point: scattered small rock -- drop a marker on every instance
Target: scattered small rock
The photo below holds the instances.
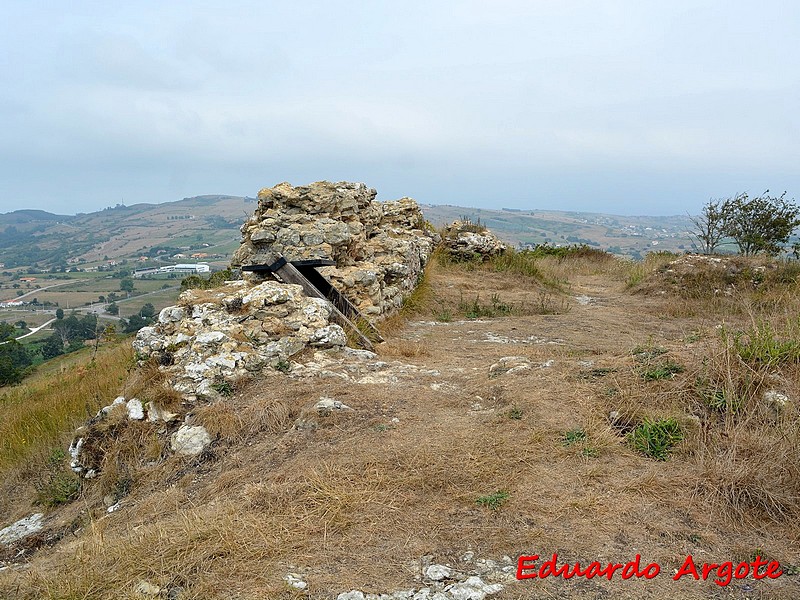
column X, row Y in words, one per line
column 472, row 588
column 508, row 365
column 135, row 409
column 295, row 581
column 190, row 440
column 438, row 572
column 147, row 589
column 776, row 399
column 107, row 409
column 325, row 406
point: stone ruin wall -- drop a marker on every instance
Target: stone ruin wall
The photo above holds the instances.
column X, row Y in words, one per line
column 380, row 251
column 380, row 248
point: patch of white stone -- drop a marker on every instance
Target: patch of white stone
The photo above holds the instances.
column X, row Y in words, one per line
column 21, row 529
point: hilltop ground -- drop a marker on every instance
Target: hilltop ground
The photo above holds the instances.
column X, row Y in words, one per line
column 357, row 499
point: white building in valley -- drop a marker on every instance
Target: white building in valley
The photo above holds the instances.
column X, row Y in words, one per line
column 181, row 269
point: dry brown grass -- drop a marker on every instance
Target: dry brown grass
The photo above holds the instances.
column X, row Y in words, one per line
column 30, row 418
column 354, row 500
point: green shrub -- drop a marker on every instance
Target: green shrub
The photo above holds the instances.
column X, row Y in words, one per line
column 476, row 310
column 215, row 280
column 655, row 438
column 57, row 485
column 222, row 386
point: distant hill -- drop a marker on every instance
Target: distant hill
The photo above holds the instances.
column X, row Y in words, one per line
column 33, row 236
column 30, row 216
column 630, row 236
column 211, row 223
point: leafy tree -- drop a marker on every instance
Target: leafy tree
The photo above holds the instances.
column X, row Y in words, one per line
column 112, row 309
column 135, row 323
column 59, row 313
column 87, row 327
column 6, row 331
column 761, row 224
column 126, row 285
column 53, row 346
column 148, row 311
column 66, row 329
column 710, row 225
column 21, row 324
column 14, row 362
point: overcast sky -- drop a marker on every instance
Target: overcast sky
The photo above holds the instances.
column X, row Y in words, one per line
column 625, row 107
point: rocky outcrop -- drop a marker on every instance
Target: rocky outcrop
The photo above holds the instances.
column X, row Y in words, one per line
column 21, row 529
column 464, row 240
column 380, row 248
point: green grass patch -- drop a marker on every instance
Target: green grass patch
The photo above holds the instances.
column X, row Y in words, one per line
column 764, row 345
column 573, row 436
column 664, row 370
column 494, row 501
column 655, row 438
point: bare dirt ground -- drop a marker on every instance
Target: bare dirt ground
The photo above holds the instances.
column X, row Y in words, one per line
column 356, row 500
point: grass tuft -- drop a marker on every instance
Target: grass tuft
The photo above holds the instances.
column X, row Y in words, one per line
column 656, row 438
column 494, row 501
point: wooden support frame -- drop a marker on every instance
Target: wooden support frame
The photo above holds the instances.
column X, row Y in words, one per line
column 304, row 273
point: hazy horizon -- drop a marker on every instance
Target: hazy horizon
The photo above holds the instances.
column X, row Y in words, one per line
column 622, row 107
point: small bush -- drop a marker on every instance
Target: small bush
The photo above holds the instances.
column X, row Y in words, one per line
column 58, row 485
column 517, row 263
column 571, row 251
column 656, row 438
column 214, row 280
column 223, row 387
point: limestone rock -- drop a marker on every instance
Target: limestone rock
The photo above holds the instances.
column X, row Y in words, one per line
column 146, row 589
column 107, row 409
column 472, row 588
column 233, row 330
column 438, row 572
column 21, row 529
column 776, row 399
column 464, row 240
column 295, row 581
column 190, row 440
column 135, row 409
column 155, row 413
column 325, row 406
column 329, row 336
column 509, row 364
